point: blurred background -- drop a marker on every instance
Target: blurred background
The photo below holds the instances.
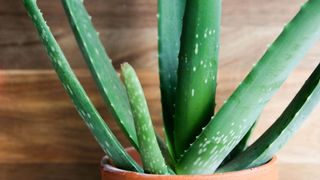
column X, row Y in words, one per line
column 42, row 136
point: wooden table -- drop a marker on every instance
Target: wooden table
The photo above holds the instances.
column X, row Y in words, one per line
column 43, row 137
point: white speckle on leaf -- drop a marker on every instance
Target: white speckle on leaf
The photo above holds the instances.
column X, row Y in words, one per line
column 97, row 51
column 98, row 75
column 194, row 68
column 89, row 35
column 196, row 48
column 59, row 63
column 107, row 144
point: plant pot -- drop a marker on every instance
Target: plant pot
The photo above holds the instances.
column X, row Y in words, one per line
column 268, row 171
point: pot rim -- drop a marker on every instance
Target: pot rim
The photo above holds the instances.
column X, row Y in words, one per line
column 107, row 167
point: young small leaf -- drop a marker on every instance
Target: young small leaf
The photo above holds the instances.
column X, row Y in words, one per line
column 153, row 161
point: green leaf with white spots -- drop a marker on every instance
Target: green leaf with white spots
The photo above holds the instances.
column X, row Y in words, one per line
column 237, row 115
column 105, row 76
column 241, row 146
column 152, row 159
column 170, row 161
column 89, row 114
column 284, row 127
column 198, row 62
column 170, row 16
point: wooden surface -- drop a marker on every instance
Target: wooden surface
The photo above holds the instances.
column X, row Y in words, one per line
column 128, row 30
column 42, row 136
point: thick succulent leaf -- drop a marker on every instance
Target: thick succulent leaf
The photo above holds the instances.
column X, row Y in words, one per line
column 170, row 15
column 237, row 115
column 89, row 114
column 166, row 154
column 285, row 126
column 152, row 159
column 241, row 146
column 105, row 76
column 198, row 62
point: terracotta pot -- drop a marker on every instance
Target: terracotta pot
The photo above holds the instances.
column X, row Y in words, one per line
column 268, row 171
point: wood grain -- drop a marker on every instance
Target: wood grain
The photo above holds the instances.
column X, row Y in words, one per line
column 39, row 126
column 52, row 171
column 128, row 31
column 43, row 120
column 89, row 171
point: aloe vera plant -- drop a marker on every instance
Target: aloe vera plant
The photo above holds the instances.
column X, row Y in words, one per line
column 199, row 139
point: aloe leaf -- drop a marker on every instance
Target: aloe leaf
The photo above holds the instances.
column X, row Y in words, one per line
column 284, row 127
column 105, row 76
column 89, row 114
column 238, row 114
column 170, row 15
column 198, row 62
column 242, row 146
column 152, row 159
column 165, row 152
